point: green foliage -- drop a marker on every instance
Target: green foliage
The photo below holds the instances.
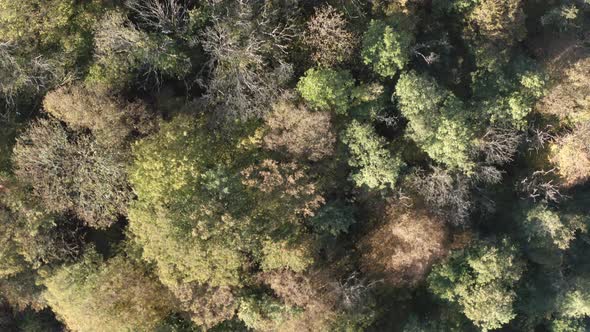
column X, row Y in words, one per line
column 376, row 167
column 199, row 217
column 575, row 301
column 277, row 255
column 263, row 313
column 183, row 231
column 327, row 89
column 116, row 295
column 547, row 228
column 493, row 27
column 481, row 282
column 507, row 95
column 386, row 47
column 49, row 25
column 568, row 325
column 437, row 120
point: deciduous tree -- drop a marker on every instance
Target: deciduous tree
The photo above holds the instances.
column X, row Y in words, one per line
column 70, row 172
column 481, row 281
column 386, row 46
column 328, row 38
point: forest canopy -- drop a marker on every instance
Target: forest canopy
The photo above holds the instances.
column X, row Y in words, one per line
column 294, row 165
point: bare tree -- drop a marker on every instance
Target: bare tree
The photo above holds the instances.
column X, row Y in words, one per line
column 499, row 145
column 354, row 291
column 540, row 186
column 447, row 194
column 538, row 138
column 18, row 77
column 165, row 16
column 431, row 57
column 246, row 67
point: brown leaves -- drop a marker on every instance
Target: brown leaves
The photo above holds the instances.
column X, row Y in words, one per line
column 327, row 37
column 405, row 247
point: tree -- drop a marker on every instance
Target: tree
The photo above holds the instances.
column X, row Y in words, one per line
column 376, row 167
column 567, row 97
column 321, row 302
column 507, row 94
column 299, row 132
column 481, row 281
column 72, row 173
column 205, row 211
column 247, row 47
column 207, row 306
column 110, row 120
column 437, row 120
column 327, row 37
column 327, row 89
column 263, row 313
column 123, row 53
column 571, row 154
column 493, row 27
column 386, row 46
column 568, row 325
column 117, row 295
column 575, row 300
column 547, row 228
column 21, row 79
column 403, row 248
column 47, row 26
column 334, row 218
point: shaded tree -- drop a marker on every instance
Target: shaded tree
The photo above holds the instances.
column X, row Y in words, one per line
column 493, row 27
column 247, row 66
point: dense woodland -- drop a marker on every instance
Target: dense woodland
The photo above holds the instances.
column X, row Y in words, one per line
column 295, row 165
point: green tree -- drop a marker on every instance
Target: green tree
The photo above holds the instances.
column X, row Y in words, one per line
column 386, row 46
column 568, row 325
column 437, row 120
column 548, row 228
column 481, row 281
column 507, row 94
column 376, row 167
column 263, row 313
column 327, row 89
column 202, row 209
column 575, row 300
column 45, row 26
column 116, row 295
